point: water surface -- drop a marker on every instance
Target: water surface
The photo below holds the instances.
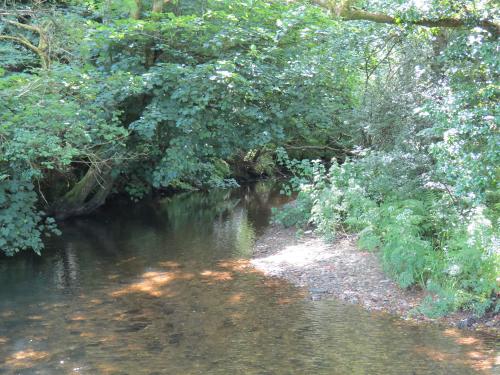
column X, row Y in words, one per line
column 163, row 287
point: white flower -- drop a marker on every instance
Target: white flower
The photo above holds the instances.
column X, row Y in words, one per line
column 224, row 73
column 449, row 134
column 454, row 270
column 478, row 221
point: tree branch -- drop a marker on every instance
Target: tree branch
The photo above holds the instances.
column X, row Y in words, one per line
column 349, row 13
column 25, row 42
column 313, row 147
column 24, row 26
column 158, row 6
column 40, row 50
column 353, row 14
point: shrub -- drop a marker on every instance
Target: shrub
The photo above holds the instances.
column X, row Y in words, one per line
column 423, row 241
column 21, row 224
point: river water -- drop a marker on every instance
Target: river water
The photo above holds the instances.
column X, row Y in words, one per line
column 162, row 287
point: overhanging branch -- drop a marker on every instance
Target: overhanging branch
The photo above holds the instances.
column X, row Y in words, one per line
column 24, row 26
column 346, row 11
column 353, row 14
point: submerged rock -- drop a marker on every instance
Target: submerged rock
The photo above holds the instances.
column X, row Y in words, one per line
column 175, row 338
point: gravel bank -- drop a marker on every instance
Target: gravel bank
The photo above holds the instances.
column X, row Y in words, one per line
column 340, row 270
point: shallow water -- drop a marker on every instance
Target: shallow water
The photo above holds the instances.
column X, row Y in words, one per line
column 163, row 287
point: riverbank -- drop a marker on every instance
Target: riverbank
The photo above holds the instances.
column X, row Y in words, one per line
column 340, row 270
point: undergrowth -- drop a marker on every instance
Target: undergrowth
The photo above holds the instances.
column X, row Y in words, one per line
column 422, row 236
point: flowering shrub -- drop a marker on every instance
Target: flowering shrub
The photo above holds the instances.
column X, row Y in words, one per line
column 422, row 241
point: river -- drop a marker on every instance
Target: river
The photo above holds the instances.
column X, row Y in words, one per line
column 163, row 287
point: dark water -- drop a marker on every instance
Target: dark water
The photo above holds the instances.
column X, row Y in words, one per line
column 163, row 288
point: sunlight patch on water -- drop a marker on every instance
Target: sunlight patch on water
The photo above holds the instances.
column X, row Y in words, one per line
column 7, row 314
column 235, row 298
column 26, row 358
column 169, row 264
column 211, row 276
column 467, row 341
column 237, row 265
column 152, row 283
column 479, row 361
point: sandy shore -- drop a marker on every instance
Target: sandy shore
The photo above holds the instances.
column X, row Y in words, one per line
column 340, row 270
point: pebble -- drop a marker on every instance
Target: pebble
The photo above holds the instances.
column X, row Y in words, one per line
column 318, row 290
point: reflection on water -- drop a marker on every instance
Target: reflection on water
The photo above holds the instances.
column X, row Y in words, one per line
column 164, row 287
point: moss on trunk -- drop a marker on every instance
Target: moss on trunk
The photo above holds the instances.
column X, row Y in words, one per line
column 86, row 195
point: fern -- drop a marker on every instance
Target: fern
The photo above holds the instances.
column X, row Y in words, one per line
column 423, row 237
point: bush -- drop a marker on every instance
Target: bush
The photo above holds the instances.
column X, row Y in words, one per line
column 21, row 225
column 422, row 241
column 295, row 214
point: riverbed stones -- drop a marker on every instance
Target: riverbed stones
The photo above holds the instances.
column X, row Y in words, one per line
column 343, row 271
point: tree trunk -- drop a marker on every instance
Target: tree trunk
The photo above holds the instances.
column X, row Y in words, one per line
column 43, row 41
column 136, row 13
column 439, row 44
column 88, row 194
column 158, row 6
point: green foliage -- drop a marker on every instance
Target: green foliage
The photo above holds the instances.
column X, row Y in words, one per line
column 406, row 255
column 302, row 171
column 295, row 214
column 421, row 240
column 13, row 56
column 467, row 118
column 166, row 101
column 21, row 225
column 265, row 165
column 422, row 188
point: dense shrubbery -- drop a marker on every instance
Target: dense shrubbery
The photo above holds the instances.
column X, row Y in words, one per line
column 422, row 239
column 422, row 184
column 22, row 225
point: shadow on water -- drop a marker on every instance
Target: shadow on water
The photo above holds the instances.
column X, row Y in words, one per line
column 164, row 287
